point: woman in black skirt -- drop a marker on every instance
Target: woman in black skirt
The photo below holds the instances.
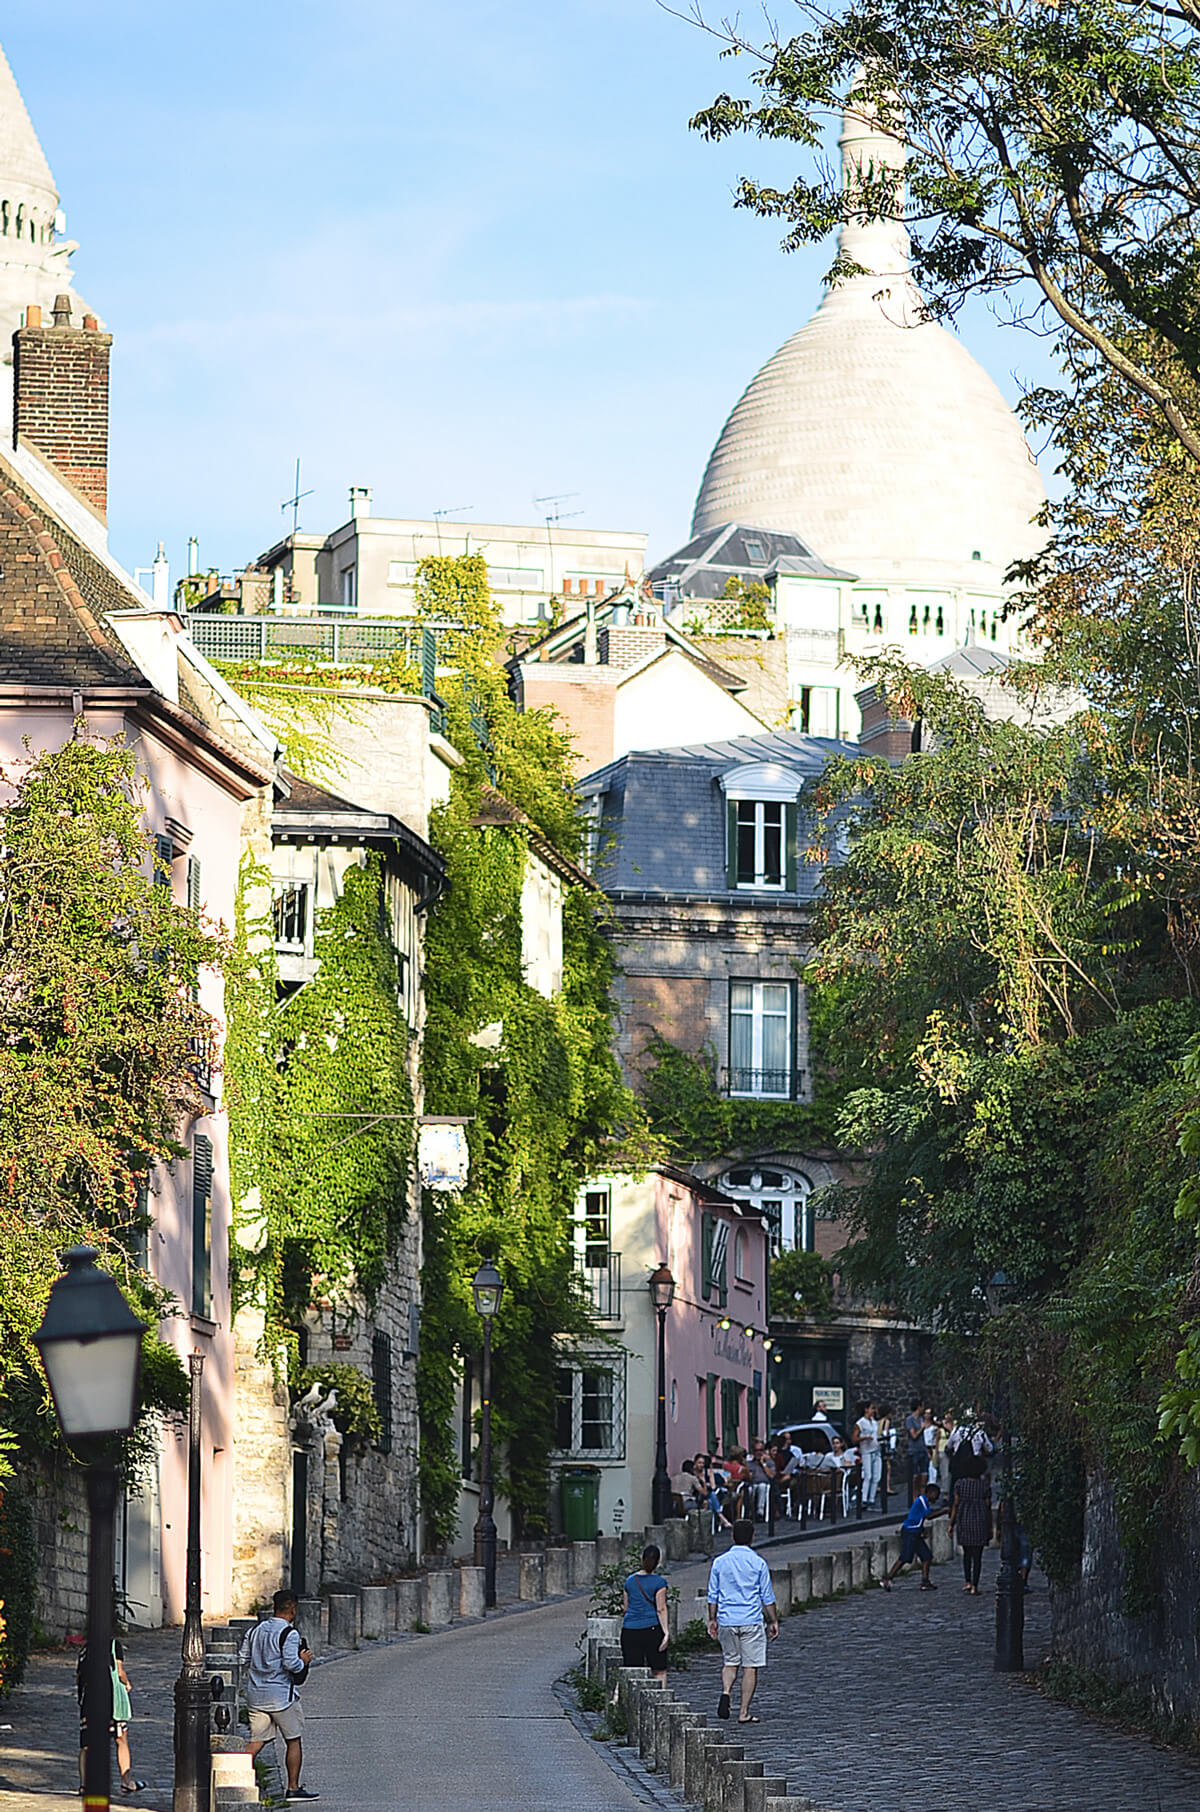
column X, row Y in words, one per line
column 645, row 1630
column 971, row 1515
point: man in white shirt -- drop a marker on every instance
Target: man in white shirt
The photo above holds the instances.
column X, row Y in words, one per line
column 866, row 1433
column 276, row 1660
column 740, row 1595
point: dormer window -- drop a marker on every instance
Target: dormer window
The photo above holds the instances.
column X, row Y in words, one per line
column 756, row 553
column 761, row 827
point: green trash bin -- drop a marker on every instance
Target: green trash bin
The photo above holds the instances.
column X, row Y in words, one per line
column 580, row 1502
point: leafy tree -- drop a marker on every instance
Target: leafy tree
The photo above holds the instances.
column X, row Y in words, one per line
column 801, row 1285
column 1052, row 149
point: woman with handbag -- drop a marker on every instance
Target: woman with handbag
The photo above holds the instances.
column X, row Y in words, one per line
column 645, row 1627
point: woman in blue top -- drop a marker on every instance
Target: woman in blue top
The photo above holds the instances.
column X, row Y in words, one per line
column 645, row 1630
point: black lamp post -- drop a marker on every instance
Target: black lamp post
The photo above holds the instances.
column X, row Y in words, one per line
column 662, row 1295
column 1010, row 1587
column 193, row 1694
column 90, row 1343
column 487, row 1286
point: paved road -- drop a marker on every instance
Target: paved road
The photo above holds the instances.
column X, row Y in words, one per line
column 882, row 1702
column 458, row 1719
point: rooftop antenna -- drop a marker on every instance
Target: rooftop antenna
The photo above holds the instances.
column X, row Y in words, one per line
column 458, row 509
column 295, row 500
column 556, row 513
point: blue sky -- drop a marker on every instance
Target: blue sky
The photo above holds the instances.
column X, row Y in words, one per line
column 466, row 255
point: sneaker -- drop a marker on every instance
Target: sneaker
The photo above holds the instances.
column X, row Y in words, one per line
column 927, row 1585
column 294, row 1793
column 723, row 1705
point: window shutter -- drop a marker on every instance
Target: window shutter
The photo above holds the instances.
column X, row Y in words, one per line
column 719, row 1260
column 381, row 1384
column 164, row 850
column 193, row 884
column 790, row 850
column 202, row 1179
column 710, row 1413
column 731, row 879
column 706, row 1251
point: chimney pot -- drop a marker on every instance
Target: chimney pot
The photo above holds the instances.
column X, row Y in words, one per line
column 90, row 324
column 33, row 315
column 62, row 310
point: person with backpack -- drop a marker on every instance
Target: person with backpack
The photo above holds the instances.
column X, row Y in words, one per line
column 277, row 1661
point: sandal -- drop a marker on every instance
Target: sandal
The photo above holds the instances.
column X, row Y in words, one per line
column 750, row 1720
column 134, row 1786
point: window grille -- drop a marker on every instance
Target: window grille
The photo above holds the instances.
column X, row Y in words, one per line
column 589, row 1416
column 290, row 912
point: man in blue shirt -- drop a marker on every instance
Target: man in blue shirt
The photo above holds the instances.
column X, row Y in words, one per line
column 739, row 1597
column 912, row 1542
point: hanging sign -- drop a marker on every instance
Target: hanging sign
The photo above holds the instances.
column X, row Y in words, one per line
column 442, row 1154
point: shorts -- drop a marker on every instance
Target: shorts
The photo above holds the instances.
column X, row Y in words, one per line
column 640, row 1648
column 913, row 1546
column 288, row 1721
column 743, row 1644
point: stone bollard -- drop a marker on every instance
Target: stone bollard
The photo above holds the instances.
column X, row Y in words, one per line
column 698, row 1739
column 583, row 1564
column 343, row 1619
column 656, row 1533
column 654, row 1708
column 687, row 1720
column 558, row 1572
column 664, row 1726
column 781, row 1585
column 374, row 1611
column 714, row 1774
column 877, row 1550
column 608, row 1550
column 757, row 1792
column 802, row 1588
column 627, row 1679
column 470, row 1591
column 532, row 1586
column 695, row 1534
column 311, row 1621
column 677, row 1538
column 891, row 1550
column 733, row 1785
column 822, row 1575
column 408, row 1602
column 645, row 1698
column 860, row 1565
column 841, row 1569
column 437, row 1604
column 942, row 1541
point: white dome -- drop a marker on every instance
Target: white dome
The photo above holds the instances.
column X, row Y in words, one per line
column 873, row 435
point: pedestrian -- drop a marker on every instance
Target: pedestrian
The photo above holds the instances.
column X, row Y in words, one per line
column 277, row 1661
column 645, row 1628
column 915, row 1451
column 818, row 1414
column 761, row 1469
column 122, row 1712
column 971, row 1515
column 866, row 1435
column 704, row 1471
column 739, row 1597
column 912, row 1541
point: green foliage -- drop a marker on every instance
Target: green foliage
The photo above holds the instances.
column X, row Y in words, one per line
column 693, row 1120
column 18, row 1584
column 609, row 1584
column 96, row 1032
column 321, row 1108
column 356, row 1411
column 801, row 1286
column 753, row 600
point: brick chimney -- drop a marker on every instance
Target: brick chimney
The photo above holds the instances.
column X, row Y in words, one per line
column 883, row 734
column 60, row 398
column 630, row 637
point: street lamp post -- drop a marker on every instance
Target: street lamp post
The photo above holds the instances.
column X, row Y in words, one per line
column 193, row 1695
column 1010, row 1587
column 487, row 1286
column 90, row 1343
column 662, row 1294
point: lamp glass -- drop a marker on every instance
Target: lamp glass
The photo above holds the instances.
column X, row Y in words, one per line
column 487, row 1287
column 662, row 1288
column 94, row 1382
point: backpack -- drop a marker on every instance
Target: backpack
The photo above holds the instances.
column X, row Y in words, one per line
column 963, row 1454
column 302, row 1676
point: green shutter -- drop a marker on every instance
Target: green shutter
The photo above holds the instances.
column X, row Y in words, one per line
column 164, row 850
column 731, row 845
column 752, row 1415
column 193, row 884
column 202, row 1178
column 710, row 1413
column 706, row 1246
column 789, row 833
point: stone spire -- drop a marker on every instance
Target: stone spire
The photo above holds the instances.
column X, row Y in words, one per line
column 35, row 262
column 869, row 153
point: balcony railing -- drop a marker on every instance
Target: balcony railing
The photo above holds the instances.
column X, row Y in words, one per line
column 202, row 1049
column 603, row 1285
column 763, row 1085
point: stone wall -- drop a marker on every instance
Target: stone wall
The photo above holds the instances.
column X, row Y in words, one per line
column 262, row 1469
column 1155, row 1654
column 61, row 1522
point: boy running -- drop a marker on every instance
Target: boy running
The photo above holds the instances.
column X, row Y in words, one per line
column 912, row 1541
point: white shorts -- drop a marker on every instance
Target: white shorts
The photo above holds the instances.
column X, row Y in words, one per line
column 743, row 1644
column 288, row 1721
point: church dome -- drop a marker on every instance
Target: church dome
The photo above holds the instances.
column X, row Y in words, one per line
column 874, row 434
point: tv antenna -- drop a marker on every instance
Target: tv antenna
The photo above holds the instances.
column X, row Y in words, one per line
column 295, row 500
column 458, row 509
column 556, row 513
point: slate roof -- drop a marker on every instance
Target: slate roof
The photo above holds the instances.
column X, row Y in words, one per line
column 663, row 821
column 701, row 568
column 306, row 811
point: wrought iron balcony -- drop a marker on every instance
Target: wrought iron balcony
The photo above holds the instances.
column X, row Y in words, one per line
column 762, row 1085
column 603, row 1285
column 202, row 1049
